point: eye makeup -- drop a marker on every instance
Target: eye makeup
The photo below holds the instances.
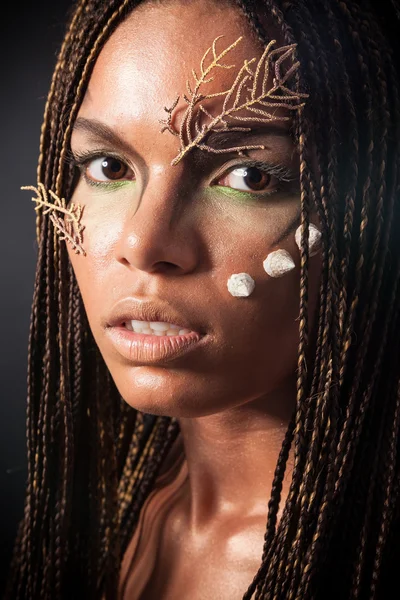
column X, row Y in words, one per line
column 280, row 171
column 107, row 186
column 286, row 181
column 82, row 160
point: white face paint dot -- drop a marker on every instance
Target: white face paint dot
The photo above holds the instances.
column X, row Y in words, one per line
column 278, row 263
column 241, row 285
column 314, row 239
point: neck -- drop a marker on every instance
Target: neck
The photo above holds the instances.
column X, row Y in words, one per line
column 231, row 458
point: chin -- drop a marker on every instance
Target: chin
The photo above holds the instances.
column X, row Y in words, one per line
column 175, row 393
column 161, row 392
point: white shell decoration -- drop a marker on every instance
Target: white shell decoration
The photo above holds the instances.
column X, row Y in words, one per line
column 278, row 263
column 314, row 239
column 241, row 285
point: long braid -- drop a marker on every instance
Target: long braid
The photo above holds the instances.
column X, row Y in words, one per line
column 389, row 219
column 23, row 538
column 378, row 462
column 387, row 512
column 269, row 543
column 375, row 286
column 301, row 406
column 349, row 201
column 47, row 129
column 293, row 559
column 348, row 425
column 163, row 439
column 301, row 382
column 328, row 210
column 279, row 556
column 322, row 454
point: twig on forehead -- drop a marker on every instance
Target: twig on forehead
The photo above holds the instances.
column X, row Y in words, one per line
column 244, row 94
column 68, row 226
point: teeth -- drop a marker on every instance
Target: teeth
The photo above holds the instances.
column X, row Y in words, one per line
column 155, row 328
column 160, row 326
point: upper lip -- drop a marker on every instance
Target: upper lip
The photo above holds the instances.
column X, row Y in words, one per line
column 130, row 309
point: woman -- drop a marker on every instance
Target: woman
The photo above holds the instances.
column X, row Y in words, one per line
column 230, row 173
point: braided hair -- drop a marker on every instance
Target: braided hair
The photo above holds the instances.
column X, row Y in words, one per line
column 92, row 459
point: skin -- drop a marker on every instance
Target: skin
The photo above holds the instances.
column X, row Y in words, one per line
column 177, row 233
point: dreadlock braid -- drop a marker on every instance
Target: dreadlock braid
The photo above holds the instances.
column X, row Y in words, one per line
column 356, row 380
column 93, row 460
column 310, row 497
column 348, row 220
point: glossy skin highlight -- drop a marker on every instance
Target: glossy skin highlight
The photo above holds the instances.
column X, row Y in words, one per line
column 176, row 234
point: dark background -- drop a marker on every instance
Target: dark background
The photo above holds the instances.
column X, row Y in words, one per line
column 30, row 37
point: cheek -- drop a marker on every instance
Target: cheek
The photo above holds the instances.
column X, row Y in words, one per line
column 239, row 239
column 263, row 329
column 103, row 229
column 104, row 215
column 103, row 220
column 93, row 270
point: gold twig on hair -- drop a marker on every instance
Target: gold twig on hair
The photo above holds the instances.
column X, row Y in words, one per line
column 244, row 94
column 68, row 226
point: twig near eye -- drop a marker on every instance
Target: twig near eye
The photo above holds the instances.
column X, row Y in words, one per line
column 244, row 94
column 69, row 226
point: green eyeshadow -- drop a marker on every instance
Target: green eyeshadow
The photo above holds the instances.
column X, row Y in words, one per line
column 109, row 186
column 237, row 195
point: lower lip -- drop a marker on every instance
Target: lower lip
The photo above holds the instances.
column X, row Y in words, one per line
column 151, row 349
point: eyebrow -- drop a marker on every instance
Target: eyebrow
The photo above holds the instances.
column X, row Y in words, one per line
column 99, row 131
column 218, row 140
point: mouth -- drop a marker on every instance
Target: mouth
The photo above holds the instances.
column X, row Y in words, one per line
column 142, row 339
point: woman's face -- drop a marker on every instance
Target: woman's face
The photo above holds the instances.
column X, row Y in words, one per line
column 165, row 239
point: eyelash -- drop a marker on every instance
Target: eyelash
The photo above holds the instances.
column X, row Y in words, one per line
column 282, row 173
column 82, row 159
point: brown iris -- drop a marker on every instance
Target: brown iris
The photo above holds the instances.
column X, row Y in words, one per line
column 113, row 168
column 256, row 179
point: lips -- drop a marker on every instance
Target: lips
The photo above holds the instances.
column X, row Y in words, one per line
column 144, row 349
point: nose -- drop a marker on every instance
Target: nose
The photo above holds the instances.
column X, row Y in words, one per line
column 161, row 235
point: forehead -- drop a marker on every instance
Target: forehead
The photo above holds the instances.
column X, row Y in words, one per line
column 149, row 58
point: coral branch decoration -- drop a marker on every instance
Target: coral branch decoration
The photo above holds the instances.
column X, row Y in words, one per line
column 249, row 91
column 66, row 219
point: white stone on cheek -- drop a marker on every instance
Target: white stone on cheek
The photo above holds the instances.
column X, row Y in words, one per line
column 314, row 239
column 278, row 263
column 241, row 285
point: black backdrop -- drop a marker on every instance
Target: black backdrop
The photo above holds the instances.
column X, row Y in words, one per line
column 30, row 36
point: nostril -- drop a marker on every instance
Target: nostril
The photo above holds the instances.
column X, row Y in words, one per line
column 166, row 267
column 157, row 267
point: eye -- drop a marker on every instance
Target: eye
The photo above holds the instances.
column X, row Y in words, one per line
column 249, row 179
column 107, row 168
